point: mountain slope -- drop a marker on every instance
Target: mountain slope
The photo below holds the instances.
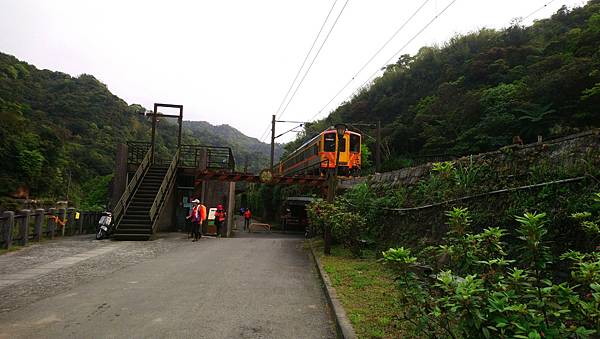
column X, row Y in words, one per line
column 479, row 91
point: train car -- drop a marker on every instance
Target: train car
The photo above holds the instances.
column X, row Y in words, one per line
column 318, row 154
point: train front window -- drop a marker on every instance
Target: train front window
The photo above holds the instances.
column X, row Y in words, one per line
column 354, row 143
column 343, row 144
column 329, row 142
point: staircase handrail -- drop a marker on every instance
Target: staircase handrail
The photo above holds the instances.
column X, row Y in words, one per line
column 164, row 190
column 121, row 205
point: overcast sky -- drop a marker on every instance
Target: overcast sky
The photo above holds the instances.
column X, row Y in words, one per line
column 231, row 62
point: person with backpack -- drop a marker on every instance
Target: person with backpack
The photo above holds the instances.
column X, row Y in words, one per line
column 220, row 215
column 197, row 216
column 247, row 216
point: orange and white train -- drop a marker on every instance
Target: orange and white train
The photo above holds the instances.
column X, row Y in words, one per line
column 318, row 154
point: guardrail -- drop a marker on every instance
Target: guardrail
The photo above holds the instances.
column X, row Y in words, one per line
column 191, row 156
column 164, row 191
column 136, row 151
column 220, row 158
column 123, row 202
column 33, row 225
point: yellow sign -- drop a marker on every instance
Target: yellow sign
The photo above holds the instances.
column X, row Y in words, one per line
column 265, row 176
column 76, row 215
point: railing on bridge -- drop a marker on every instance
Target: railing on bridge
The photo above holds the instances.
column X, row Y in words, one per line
column 190, row 156
column 136, row 151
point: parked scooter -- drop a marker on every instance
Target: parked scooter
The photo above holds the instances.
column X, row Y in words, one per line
column 104, row 226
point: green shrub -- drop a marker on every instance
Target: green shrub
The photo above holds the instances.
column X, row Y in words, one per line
column 479, row 292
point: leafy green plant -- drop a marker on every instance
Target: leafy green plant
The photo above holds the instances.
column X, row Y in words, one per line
column 466, row 175
column 443, row 168
column 459, row 220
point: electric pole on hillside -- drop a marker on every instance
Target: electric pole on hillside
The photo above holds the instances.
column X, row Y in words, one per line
column 272, row 141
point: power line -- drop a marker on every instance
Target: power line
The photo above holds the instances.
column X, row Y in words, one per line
column 262, row 136
column 393, row 56
column 425, row 27
column 314, row 59
column 409, row 41
column 537, row 10
column 306, row 57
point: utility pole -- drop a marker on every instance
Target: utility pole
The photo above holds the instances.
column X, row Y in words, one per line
column 272, row 141
column 378, row 147
column 331, row 187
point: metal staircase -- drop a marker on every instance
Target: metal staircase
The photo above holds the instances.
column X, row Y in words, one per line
column 136, row 223
column 138, row 211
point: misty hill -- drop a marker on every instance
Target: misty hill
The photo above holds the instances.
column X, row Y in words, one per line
column 58, row 134
column 479, row 91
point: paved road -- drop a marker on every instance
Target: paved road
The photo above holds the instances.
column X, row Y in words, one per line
column 262, row 286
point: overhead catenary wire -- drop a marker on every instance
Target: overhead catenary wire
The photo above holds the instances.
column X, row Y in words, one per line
column 306, row 57
column 534, row 12
column 263, row 135
column 408, row 43
column 390, row 59
column 314, row 59
column 394, row 56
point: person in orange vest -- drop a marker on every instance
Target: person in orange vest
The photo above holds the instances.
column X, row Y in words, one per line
column 197, row 216
column 219, row 218
column 247, row 216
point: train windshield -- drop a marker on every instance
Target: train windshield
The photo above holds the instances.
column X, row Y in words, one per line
column 354, row 143
column 329, row 144
column 343, row 144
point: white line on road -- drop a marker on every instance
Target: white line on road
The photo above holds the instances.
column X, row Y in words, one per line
column 14, row 278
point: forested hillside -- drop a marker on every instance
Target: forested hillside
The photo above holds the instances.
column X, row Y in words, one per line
column 58, row 134
column 479, row 91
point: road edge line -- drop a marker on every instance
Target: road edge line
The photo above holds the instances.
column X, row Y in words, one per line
column 343, row 325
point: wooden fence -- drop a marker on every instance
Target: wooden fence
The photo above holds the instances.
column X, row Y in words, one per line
column 33, row 225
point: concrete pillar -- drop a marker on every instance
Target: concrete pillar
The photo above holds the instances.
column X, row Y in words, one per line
column 62, row 216
column 24, row 227
column 39, row 218
column 8, row 228
column 51, row 223
column 230, row 208
column 71, row 220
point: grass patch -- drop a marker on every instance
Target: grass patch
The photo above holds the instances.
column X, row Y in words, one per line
column 367, row 290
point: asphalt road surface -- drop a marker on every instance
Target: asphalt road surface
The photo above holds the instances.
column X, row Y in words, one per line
column 263, row 286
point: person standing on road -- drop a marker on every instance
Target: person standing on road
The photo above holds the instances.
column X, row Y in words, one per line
column 219, row 218
column 196, row 219
column 247, row 216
